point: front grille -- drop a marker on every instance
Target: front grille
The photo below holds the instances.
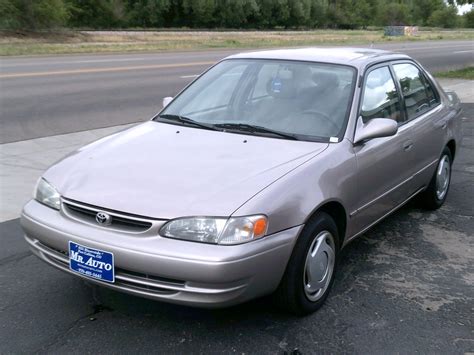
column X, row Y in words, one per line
column 120, row 221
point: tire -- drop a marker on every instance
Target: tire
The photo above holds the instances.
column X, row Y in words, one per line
column 431, row 198
column 295, row 293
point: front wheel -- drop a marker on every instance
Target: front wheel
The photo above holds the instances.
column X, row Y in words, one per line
column 310, row 272
column 435, row 195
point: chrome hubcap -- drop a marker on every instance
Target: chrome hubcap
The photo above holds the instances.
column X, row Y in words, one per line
column 442, row 177
column 319, row 266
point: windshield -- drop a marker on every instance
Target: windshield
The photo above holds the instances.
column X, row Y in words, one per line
column 306, row 100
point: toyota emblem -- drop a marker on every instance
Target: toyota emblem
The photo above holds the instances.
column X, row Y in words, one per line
column 103, row 218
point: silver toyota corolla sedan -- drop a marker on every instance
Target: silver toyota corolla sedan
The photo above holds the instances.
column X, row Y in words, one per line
column 251, row 180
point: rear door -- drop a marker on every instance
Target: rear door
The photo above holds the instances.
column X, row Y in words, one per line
column 385, row 165
column 426, row 118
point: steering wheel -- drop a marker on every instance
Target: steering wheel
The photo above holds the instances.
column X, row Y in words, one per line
column 321, row 115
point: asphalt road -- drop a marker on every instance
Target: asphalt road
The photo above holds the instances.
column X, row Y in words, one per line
column 44, row 96
column 404, row 287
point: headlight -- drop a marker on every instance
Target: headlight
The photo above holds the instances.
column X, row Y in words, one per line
column 47, row 194
column 234, row 230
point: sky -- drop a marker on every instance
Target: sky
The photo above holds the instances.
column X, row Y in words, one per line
column 464, row 8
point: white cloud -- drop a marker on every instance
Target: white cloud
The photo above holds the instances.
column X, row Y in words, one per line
column 464, row 8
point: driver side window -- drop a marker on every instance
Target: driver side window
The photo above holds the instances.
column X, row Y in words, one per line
column 380, row 98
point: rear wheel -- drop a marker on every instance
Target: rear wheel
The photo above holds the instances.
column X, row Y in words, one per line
column 310, row 272
column 435, row 195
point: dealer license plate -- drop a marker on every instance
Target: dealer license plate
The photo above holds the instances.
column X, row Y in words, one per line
column 94, row 263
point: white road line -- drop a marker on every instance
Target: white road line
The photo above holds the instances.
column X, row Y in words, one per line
column 469, row 51
column 421, row 48
column 189, row 76
column 109, row 60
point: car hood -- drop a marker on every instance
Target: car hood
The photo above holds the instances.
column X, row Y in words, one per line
column 166, row 171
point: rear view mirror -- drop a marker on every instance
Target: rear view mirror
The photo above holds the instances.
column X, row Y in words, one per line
column 375, row 128
column 166, row 101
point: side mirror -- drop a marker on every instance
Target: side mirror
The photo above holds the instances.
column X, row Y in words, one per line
column 375, row 128
column 453, row 97
column 166, row 101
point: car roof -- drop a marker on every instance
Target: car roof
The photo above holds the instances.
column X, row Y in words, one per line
column 357, row 57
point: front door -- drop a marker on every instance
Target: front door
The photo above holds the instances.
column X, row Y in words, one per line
column 384, row 164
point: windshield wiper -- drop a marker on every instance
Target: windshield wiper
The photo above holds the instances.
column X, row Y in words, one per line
column 255, row 129
column 183, row 119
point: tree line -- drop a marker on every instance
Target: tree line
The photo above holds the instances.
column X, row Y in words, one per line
column 232, row 14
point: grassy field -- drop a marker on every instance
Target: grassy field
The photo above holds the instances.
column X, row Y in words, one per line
column 68, row 42
column 466, row 73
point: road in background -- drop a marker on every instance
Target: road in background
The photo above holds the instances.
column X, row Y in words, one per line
column 44, row 96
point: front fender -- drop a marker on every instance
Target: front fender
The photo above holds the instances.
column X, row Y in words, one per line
column 292, row 199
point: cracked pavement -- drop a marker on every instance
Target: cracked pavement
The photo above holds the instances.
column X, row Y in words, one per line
column 405, row 286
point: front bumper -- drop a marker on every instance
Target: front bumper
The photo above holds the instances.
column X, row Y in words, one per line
column 164, row 269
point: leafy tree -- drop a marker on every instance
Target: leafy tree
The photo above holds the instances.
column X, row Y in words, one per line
column 446, row 17
column 357, row 13
column 98, row 13
column 199, row 13
column 423, row 9
column 318, row 14
column 238, row 13
column 394, row 14
column 299, row 13
column 281, row 12
column 9, row 14
column 460, row 2
column 38, row 14
column 469, row 19
column 273, row 13
column 149, row 13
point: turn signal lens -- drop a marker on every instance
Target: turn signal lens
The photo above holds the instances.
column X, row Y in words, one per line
column 260, row 227
column 243, row 229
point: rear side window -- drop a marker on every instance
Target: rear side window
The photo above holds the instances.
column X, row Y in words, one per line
column 380, row 96
column 418, row 94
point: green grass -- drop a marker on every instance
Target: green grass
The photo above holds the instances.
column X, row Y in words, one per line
column 466, row 73
column 70, row 42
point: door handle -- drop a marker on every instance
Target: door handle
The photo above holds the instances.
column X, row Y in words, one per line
column 407, row 146
column 442, row 123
